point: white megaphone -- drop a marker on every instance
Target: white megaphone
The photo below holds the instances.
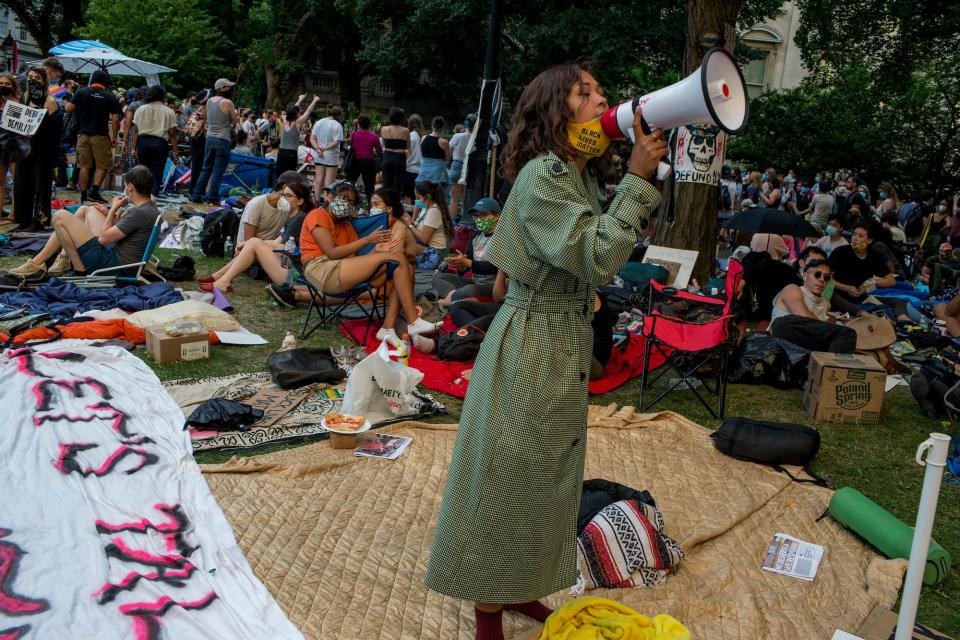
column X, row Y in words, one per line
column 713, row 94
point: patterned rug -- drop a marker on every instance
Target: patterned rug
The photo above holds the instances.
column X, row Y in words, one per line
column 302, row 424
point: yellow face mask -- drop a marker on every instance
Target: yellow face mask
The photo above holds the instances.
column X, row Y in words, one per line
column 588, row 138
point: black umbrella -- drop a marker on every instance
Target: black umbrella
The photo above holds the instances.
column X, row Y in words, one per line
column 766, row 220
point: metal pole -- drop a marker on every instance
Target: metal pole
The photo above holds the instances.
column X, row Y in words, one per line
column 936, row 447
column 477, row 167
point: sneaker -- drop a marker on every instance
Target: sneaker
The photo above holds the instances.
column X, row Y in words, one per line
column 283, row 293
column 424, row 345
column 422, row 327
column 61, row 265
column 390, row 335
column 94, row 195
column 26, row 270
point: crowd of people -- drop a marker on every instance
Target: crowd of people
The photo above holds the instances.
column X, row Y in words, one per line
column 870, row 254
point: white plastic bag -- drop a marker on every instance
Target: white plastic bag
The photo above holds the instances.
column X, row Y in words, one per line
column 381, row 389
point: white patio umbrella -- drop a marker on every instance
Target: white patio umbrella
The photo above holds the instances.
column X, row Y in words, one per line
column 86, row 56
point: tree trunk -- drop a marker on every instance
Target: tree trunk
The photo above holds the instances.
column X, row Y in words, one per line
column 690, row 222
column 272, row 78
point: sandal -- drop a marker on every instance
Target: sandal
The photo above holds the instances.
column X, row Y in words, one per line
column 206, row 280
column 208, row 288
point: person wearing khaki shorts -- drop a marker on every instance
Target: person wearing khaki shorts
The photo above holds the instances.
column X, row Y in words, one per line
column 324, row 273
column 94, row 152
column 98, row 117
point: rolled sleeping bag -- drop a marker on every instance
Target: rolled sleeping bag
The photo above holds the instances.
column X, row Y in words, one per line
column 888, row 534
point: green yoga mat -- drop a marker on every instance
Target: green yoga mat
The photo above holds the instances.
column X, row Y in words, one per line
column 889, row 535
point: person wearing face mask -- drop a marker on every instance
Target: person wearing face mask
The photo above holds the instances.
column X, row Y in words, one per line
column 431, row 228
column 506, row 534
column 800, row 313
column 9, row 148
column 388, row 201
column 33, row 178
column 293, row 196
column 452, row 287
column 859, row 269
column 264, row 216
column 100, row 237
column 329, row 246
column 221, row 116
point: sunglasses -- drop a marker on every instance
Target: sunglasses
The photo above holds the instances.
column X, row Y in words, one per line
column 821, row 275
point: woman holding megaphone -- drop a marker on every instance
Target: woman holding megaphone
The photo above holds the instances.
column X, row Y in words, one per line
column 506, row 535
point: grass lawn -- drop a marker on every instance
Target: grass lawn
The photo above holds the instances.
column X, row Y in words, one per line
column 877, row 460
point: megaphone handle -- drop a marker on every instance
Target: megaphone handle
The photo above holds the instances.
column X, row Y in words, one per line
column 664, row 168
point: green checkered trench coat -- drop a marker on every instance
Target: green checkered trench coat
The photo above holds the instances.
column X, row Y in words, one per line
column 507, row 526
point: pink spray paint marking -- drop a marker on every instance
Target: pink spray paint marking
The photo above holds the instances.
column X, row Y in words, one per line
column 12, row 603
column 66, row 462
column 118, row 424
column 44, row 396
column 146, row 615
column 14, row 633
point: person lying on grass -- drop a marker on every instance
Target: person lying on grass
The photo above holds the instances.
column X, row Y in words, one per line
column 96, row 237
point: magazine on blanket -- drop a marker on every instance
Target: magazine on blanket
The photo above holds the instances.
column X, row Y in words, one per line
column 381, row 445
column 793, row 557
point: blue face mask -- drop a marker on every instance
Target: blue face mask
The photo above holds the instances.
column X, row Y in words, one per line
column 831, row 231
column 420, row 204
column 883, row 195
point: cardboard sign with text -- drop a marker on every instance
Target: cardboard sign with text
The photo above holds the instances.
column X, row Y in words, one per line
column 20, row 118
column 275, row 403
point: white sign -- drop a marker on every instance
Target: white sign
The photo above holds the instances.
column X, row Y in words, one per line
column 678, row 263
column 700, row 153
column 20, row 118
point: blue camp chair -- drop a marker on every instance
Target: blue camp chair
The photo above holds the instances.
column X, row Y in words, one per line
column 113, row 276
column 340, row 300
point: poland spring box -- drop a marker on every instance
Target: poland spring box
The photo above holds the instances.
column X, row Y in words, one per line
column 844, row 387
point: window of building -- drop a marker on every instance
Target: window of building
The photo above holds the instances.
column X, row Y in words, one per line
column 755, row 74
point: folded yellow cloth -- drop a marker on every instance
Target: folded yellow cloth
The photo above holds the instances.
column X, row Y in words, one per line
column 589, row 618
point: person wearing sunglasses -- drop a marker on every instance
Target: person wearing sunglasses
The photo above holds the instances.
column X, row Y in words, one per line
column 800, row 313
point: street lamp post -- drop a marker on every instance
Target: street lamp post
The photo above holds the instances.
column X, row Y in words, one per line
column 478, row 164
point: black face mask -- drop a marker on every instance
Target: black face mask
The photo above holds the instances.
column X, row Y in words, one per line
column 37, row 91
column 6, row 91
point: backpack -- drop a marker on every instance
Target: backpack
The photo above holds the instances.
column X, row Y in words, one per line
column 770, row 443
column 726, row 202
column 461, row 345
column 930, row 385
column 638, row 275
column 913, row 225
column 217, row 227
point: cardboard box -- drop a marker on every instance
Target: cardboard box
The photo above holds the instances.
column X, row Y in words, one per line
column 844, row 388
column 166, row 348
column 881, row 624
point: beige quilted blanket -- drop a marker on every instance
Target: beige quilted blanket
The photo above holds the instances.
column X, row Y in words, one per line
column 342, row 542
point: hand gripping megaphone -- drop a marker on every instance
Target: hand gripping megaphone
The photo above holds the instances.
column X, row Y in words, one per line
column 713, row 94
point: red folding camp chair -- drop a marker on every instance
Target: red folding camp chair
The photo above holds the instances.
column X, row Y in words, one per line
column 688, row 346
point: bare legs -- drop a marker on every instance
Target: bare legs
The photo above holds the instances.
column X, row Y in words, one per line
column 89, row 219
column 322, row 176
column 355, row 270
column 253, row 251
column 950, row 314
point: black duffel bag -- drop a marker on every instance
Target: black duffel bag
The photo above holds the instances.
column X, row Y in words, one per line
column 461, row 345
column 300, row 367
column 770, row 443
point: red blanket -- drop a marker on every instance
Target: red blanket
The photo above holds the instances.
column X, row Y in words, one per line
column 447, row 377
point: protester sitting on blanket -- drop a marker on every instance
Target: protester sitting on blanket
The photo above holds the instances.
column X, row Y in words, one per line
column 388, row 201
column 833, row 237
column 950, row 313
column 431, row 229
column 859, row 270
column 452, row 286
column 941, row 271
column 800, row 313
column 97, row 237
column 329, row 246
column 263, row 218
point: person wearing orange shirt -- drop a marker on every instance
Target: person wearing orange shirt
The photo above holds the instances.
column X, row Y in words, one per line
column 329, row 246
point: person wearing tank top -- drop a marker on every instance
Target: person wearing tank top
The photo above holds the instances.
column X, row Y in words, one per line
column 436, row 152
column 221, row 119
column 800, row 314
column 395, row 140
column 458, row 151
column 287, row 159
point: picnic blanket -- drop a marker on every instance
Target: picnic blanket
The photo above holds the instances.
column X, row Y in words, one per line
column 301, row 424
column 112, row 531
column 63, row 299
column 342, row 541
column 447, row 377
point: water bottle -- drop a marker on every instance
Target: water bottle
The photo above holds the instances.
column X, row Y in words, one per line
column 289, row 247
column 228, row 248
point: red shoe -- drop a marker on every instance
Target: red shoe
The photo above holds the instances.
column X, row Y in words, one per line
column 206, row 280
column 208, row 287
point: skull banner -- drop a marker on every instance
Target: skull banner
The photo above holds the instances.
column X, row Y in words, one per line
column 699, row 154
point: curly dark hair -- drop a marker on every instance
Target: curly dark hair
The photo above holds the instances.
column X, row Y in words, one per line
column 540, row 122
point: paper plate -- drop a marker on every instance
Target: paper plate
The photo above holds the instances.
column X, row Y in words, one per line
column 366, row 427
